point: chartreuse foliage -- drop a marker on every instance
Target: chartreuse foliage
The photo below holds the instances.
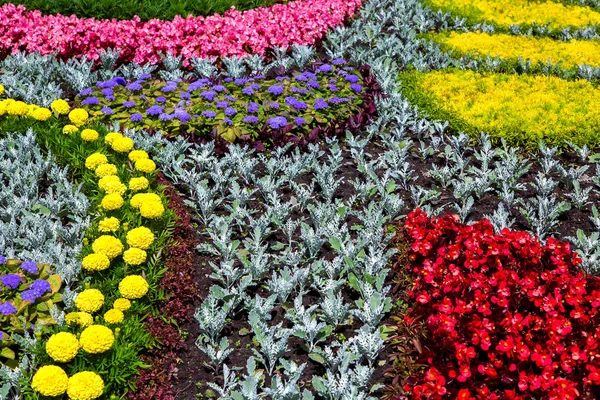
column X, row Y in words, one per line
column 522, row 109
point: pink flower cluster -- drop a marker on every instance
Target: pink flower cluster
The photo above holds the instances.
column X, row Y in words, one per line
column 232, row 34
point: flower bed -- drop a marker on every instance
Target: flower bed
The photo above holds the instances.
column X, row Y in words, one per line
column 232, row 34
column 507, row 316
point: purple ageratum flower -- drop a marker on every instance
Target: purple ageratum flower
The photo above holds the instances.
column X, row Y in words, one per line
column 129, row 104
column 166, row 117
column 290, row 100
column 154, row 110
column 222, row 104
column 2, row 260
column 255, row 86
column 209, row 114
column 228, row 79
column 230, row 98
column 300, row 91
column 219, row 88
column 107, row 110
column 230, row 111
column 28, row 294
column 196, row 85
column 118, row 80
column 320, row 104
column 240, row 81
column 3, row 335
column 136, row 117
column 352, row 78
column 183, row 116
column 250, row 119
column 274, row 106
column 208, row 95
column 248, row 91
column 333, row 88
column 145, row 76
column 12, row 280
column 313, row 84
column 338, row 100
column 325, row 68
column 161, row 99
column 356, row 87
column 310, row 75
column 275, row 89
column 29, row 266
column 348, row 68
column 227, row 121
column 134, row 86
column 339, row 61
column 301, row 78
column 110, row 98
column 108, row 84
column 107, row 92
column 299, row 121
column 168, row 88
column 300, row 105
column 86, row 92
column 184, row 95
column 7, row 309
column 41, row 286
column 277, row 122
column 252, row 107
column 91, row 101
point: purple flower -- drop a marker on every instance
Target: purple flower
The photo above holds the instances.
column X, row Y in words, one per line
column 277, row 122
column 107, row 92
column 161, row 99
column 129, row 104
column 134, row 86
column 107, row 110
column 352, row 78
column 348, row 68
column 274, row 106
column 310, row 75
column 228, row 79
column 339, row 61
column 182, row 116
column 154, row 110
column 248, row 91
column 208, row 95
column 255, row 86
column 165, row 117
column 2, row 260
column 230, row 111
column 86, row 92
column 184, row 95
column 29, row 266
column 209, row 113
column 299, row 121
column 41, row 286
column 301, row 78
column 168, row 88
column 90, row 101
column 250, row 119
column 107, row 84
column 136, row 117
column 28, row 294
column 3, row 335
column 7, row 309
column 118, row 80
column 240, row 81
column 313, row 84
column 227, row 121
column 196, row 85
column 252, row 107
column 230, row 98
column 290, row 100
column 325, row 68
column 12, row 281
column 110, row 98
column 300, row 105
column 333, row 88
column 145, row 76
column 219, row 88
column 300, row 91
column 356, row 87
column 320, row 104
column 222, row 104
column 275, row 89
column 337, row 100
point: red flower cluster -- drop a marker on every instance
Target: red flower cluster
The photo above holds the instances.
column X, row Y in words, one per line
column 507, row 317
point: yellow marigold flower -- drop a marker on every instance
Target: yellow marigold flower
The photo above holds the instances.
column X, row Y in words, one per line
column 41, row 114
column 112, row 201
column 152, row 209
column 90, row 300
column 80, row 318
column 3, row 105
column 109, row 246
column 137, row 155
column 1, row 89
column 138, row 199
column 62, row 346
column 122, row 144
column 96, row 339
column 114, row 316
column 105, row 170
column 111, row 137
column 140, row 183
column 89, row 135
column 60, row 107
column 122, row 304
column 133, row 287
column 134, row 256
column 145, row 165
column 141, row 237
column 85, row 385
column 95, row 262
column 78, row 116
column 50, row 380
column 70, row 129
column 95, row 160
column 17, row 108
column 109, row 224
column 31, row 109
column 112, row 184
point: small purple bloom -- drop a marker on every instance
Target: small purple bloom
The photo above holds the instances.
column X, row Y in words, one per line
column 136, row 117
column 230, row 111
column 275, row 89
column 222, row 104
column 325, row 68
column 310, row 75
column 240, row 81
column 300, row 105
column 28, row 294
column 168, row 89
column 251, row 119
column 277, row 122
column 135, row 86
column 107, row 84
column 227, row 121
column 29, row 266
column 337, row 100
column 3, row 335
column 129, row 104
column 274, row 106
column 184, row 95
column 320, row 104
column 145, row 76
column 333, row 88
column 182, row 116
column 41, row 286
column 119, row 80
column 301, row 78
column 255, row 86
column 107, row 110
column 154, row 110
column 248, row 91
column 110, row 98
column 12, row 281
column 339, row 61
column 352, row 78
column 348, row 68
column 208, row 95
column 2, row 260
column 161, row 99
column 7, row 309
column 86, row 92
column 313, row 84
column 219, row 88
column 228, row 79
column 196, row 85
column 299, row 121
column 209, row 113
column 107, row 92
column 252, row 107
column 356, row 87
column 90, row 101
column 290, row 100
column 165, row 117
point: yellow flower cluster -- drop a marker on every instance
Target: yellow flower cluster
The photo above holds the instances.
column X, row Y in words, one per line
column 141, row 237
column 96, row 339
column 85, row 385
column 570, row 54
column 139, row 183
column 145, row 165
column 89, row 135
column 521, row 108
column 110, row 224
column 112, row 201
column 134, row 256
column 114, row 316
column 122, row 304
column 95, row 160
column 108, row 245
column 53, row 381
column 62, row 346
column 122, row 144
column 95, row 262
column 60, row 107
column 513, row 12
column 149, row 204
column 133, row 287
column 90, row 300
column 80, row 318
column 70, row 129
column 112, row 184
column 78, row 116
column 106, row 170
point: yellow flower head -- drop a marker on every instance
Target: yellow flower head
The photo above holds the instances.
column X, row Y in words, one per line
column 109, row 224
column 145, row 165
column 114, row 316
column 70, row 129
column 112, row 184
column 140, row 183
column 1, row 89
column 85, row 385
column 89, row 135
column 95, row 262
column 17, row 108
column 108, row 245
column 62, row 346
column 112, row 201
column 152, row 209
column 78, row 116
column 134, row 256
column 133, row 287
column 105, row 170
column 111, row 137
column 90, row 300
column 95, row 160
column 41, row 114
column 3, row 105
column 96, row 339
column 50, row 380
column 141, row 237
column 122, row 304
column 137, row 155
column 60, row 107
column 122, row 144
column 138, row 199
column 80, row 318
